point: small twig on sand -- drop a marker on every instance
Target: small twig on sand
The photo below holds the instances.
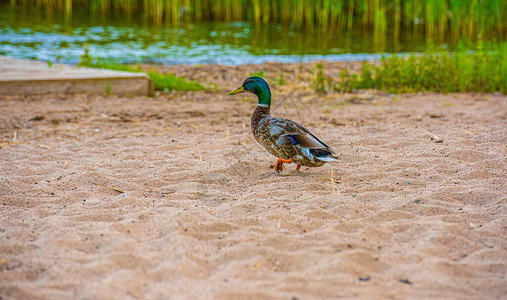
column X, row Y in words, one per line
column 15, row 136
column 279, row 222
column 466, row 131
column 434, row 137
column 109, row 187
column 276, row 265
column 332, row 183
column 2, row 261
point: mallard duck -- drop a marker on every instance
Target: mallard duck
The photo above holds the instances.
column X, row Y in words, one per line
column 289, row 141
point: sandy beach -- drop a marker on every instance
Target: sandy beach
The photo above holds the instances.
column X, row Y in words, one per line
column 170, row 197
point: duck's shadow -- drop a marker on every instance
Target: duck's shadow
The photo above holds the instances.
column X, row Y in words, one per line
column 246, row 172
column 286, row 173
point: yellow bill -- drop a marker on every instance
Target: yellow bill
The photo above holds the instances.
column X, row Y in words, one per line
column 241, row 89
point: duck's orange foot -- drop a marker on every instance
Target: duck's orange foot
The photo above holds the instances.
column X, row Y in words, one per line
column 279, row 164
column 298, row 167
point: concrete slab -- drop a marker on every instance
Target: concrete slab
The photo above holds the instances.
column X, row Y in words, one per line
column 19, row 76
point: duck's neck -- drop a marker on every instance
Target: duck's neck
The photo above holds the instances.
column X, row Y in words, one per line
column 259, row 113
column 262, row 110
column 264, row 96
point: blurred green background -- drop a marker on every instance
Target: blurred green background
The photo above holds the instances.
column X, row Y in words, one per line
column 242, row 31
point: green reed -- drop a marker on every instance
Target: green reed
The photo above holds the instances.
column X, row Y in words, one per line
column 482, row 68
column 471, row 18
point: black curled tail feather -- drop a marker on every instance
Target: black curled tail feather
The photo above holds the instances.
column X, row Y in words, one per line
column 323, row 154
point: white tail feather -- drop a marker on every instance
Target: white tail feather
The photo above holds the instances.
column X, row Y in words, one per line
column 327, row 158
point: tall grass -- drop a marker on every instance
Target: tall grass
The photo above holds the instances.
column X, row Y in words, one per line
column 482, row 68
column 436, row 18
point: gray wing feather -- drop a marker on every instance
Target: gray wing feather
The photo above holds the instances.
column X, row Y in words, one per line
column 304, row 137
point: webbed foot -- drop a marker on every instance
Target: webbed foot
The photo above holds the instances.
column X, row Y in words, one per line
column 279, row 164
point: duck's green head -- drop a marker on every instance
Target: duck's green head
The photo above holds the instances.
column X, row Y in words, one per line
column 257, row 86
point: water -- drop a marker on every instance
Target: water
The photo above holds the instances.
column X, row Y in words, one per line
column 46, row 38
